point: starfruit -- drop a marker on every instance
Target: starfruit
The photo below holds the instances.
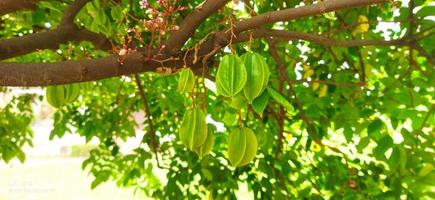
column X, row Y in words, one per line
column 257, row 75
column 193, row 130
column 72, row 91
column 186, row 83
column 206, row 148
column 238, row 102
column 242, row 146
column 55, row 95
column 231, row 76
column 323, row 91
column 59, row 95
column 363, row 24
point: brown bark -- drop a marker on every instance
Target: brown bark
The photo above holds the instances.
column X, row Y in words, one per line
column 51, row 39
column 42, row 74
column 191, row 22
column 8, row 6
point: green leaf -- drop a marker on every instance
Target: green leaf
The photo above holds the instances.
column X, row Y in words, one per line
column 229, row 118
column 363, row 143
column 260, row 103
column 425, row 170
column 383, row 145
column 375, row 126
column 238, row 102
column 394, row 159
column 280, row 99
column 426, row 11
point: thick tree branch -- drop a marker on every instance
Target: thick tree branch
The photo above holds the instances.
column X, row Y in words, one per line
column 43, row 74
column 51, row 39
column 190, row 23
column 8, row 6
column 295, row 13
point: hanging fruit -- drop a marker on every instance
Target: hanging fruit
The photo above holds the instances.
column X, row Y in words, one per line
column 55, row 95
column 207, row 146
column 231, row 76
column 186, row 83
column 257, row 75
column 242, row 146
column 60, row 95
column 193, row 130
column 72, row 92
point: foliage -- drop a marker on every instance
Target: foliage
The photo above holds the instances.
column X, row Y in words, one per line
column 333, row 122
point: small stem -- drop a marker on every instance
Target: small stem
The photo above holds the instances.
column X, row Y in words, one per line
column 151, row 131
column 204, row 71
column 240, row 119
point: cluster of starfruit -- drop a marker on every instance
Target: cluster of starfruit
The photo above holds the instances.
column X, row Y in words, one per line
column 194, row 132
column 243, row 79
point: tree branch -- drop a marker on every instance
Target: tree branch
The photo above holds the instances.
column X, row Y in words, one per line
column 51, row 39
column 43, row 74
column 71, row 12
column 430, row 58
column 325, row 41
column 8, row 6
column 310, row 128
column 151, row 131
column 295, row 13
column 190, row 23
column 282, row 77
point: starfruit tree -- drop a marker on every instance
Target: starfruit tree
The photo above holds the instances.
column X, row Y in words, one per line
column 291, row 99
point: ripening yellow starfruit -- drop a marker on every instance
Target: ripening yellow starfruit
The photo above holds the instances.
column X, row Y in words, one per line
column 363, row 24
column 186, row 83
column 193, row 130
column 242, row 146
column 257, row 75
column 315, row 85
column 323, row 91
column 207, row 146
column 231, row 76
column 308, row 72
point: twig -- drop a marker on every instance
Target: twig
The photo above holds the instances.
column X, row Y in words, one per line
column 343, row 84
column 151, row 132
column 427, row 116
column 282, row 76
